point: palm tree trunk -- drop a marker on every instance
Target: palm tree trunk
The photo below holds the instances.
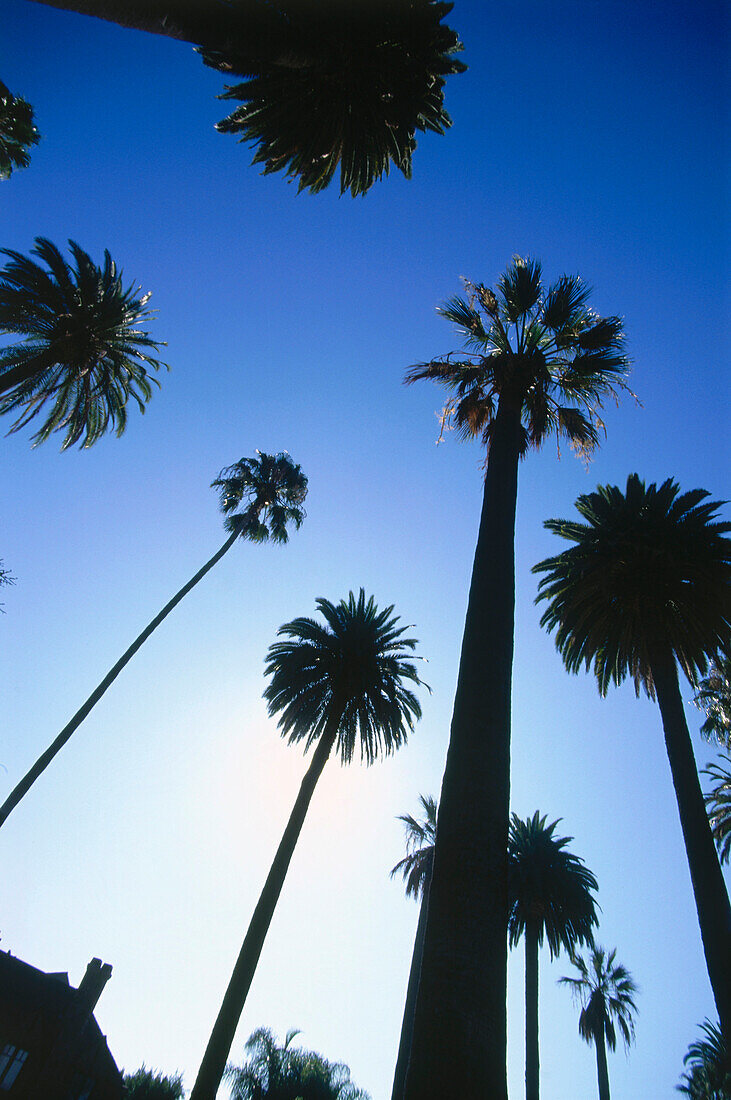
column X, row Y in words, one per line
column 458, row 1050
column 224, row 1029
column 602, row 1070
column 46, row 757
column 531, row 1014
column 407, row 1024
column 254, row 29
column 709, row 889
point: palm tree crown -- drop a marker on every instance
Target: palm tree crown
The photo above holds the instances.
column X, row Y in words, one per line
column 416, row 866
column 714, row 697
column 718, row 805
column 283, row 1072
column 544, row 351
column 606, row 992
column 651, row 570
column 83, row 353
column 549, row 889
column 329, row 84
column 17, row 132
column 345, row 678
column 261, row 496
column 709, row 1059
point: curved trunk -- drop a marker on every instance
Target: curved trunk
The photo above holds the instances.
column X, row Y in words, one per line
column 602, row 1070
column 407, row 1024
column 460, row 1030
column 224, row 1029
column 709, row 889
column 531, row 1014
column 46, row 757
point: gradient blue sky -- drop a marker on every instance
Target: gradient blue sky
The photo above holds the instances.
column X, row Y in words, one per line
column 590, row 134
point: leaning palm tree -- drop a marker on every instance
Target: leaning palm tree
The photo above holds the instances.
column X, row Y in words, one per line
column 718, row 807
column 334, row 686
column 714, row 697
column 647, row 587
column 17, row 132
column 259, row 498
column 536, row 361
column 82, row 356
column 325, row 83
column 709, row 1061
column 605, row 990
column 550, row 894
column 415, row 868
column 274, row 1072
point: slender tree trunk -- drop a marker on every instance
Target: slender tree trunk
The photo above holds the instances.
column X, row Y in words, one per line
column 458, row 1050
column 602, row 1070
column 46, row 757
column 224, row 1029
column 709, row 889
column 532, row 1064
column 407, row 1025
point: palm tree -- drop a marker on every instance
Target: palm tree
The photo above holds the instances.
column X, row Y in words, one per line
column 714, row 697
column 605, row 990
column 274, row 1072
column 550, row 894
column 537, row 361
column 148, row 1084
column 416, row 868
column 17, row 132
column 710, row 1067
column 325, row 83
column 718, row 806
column 82, row 357
column 645, row 588
column 6, row 578
column 333, row 687
column 259, row 497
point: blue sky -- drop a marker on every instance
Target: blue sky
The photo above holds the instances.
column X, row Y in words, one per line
column 588, row 134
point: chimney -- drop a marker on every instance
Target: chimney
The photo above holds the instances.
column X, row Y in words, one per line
column 96, row 977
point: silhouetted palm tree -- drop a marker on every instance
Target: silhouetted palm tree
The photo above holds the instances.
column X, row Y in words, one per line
column 647, row 586
column 83, row 356
column 710, row 1067
column 714, row 697
column 259, row 498
column 326, row 83
column 148, row 1084
column 334, row 687
column 416, row 868
column 605, row 990
column 537, row 361
column 274, row 1072
column 17, row 132
column 718, row 807
column 550, row 894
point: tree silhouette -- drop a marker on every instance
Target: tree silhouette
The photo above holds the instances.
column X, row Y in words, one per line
column 334, row 687
column 83, row 356
column 647, row 587
column 17, row 132
column 259, row 498
column 537, row 361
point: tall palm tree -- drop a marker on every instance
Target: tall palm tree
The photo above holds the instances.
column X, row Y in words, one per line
column 416, row 868
column 83, row 356
column 334, row 686
column 718, row 807
column 714, row 697
column 709, row 1077
column 259, row 498
column 326, row 83
column 550, row 894
column 647, row 587
column 536, row 360
column 274, row 1072
column 17, row 132
column 605, row 990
